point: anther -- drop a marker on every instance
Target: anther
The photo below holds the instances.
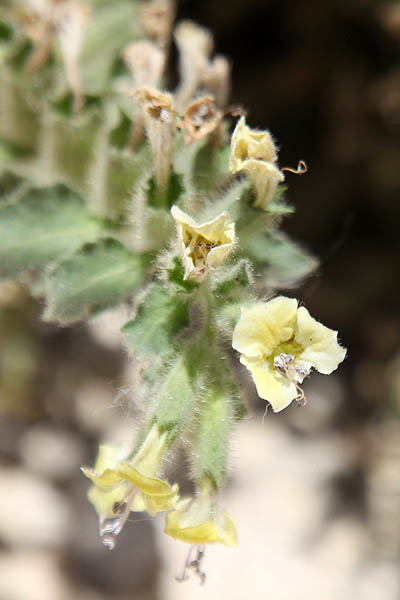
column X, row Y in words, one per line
column 194, row 565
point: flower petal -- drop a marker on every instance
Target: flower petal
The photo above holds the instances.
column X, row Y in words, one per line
column 266, row 177
column 153, row 486
column 247, row 143
column 207, row 532
column 270, row 385
column 106, row 480
column 264, row 326
column 104, row 500
column 320, row 344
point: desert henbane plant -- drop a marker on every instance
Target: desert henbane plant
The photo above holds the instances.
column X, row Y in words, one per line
column 117, row 191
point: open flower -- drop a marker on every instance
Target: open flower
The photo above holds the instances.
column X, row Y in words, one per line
column 203, row 246
column 280, row 343
column 124, row 485
column 254, row 152
column 197, row 521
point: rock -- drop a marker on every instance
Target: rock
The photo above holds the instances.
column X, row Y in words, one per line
column 33, row 513
column 28, row 575
column 51, row 452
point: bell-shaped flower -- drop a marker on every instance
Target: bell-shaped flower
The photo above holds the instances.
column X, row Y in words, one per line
column 280, row 343
column 254, row 153
column 198, row 521
column 122, row 485
column 203, row 246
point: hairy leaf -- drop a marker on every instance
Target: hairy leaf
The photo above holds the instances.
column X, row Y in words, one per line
column 286, row 261
column 110, row 29
column 43, row 227
column 95, row 278
column 158, row 320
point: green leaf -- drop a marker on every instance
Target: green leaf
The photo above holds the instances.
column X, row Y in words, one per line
column 110, row 30
column 19, row 123
column 232, row 278
column 43, row 227
column 98, row 276
column 167, row 198
column 68, row 147
column 122, row 174
column 286, row 262
column 175, row 278
column 233, row 200
column 159, row 319
column 211, row 166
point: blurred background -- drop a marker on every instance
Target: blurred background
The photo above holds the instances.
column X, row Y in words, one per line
column 315, row 491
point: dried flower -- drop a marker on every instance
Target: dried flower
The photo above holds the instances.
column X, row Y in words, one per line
column 159, row 122
column 195, row 44
column 203, row 246
column 47, row 20
column 156, row 18
column 201, row 118
column 146, row 62
column 216, row 78
column 72, row 22
column 280, row 343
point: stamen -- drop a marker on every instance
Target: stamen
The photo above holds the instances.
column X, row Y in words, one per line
column 186, row 566
column 194, row 565
column 283, row 363
column 111, row 527
column 109, row 542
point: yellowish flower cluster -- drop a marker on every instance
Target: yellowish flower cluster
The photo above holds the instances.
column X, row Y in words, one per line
column 121, row 485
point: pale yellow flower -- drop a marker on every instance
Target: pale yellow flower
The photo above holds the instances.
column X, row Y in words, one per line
column 254, row 152
column 280, row 343
column 198, row 521
column 122, row 485
column 203, row 246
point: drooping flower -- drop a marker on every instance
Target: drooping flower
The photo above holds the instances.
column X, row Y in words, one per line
column 203, row 246
column 122, row 485
column 280, row 343
column 198, row 521
column 254, row 152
